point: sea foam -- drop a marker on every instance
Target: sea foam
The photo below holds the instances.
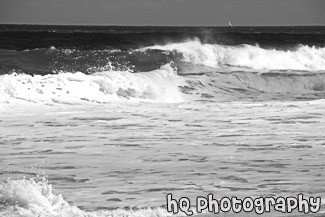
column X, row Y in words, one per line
column 29, row 198
column 162, row 85
column 70, row 88
column 247, row 57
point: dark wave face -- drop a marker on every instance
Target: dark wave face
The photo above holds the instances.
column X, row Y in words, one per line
column 47, row 61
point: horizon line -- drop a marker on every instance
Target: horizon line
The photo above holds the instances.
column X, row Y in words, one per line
column 132, row 25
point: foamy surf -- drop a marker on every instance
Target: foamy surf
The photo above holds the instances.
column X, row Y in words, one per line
column 246, row 57
column 72, row 88
column 162, row 86
column 30, row 198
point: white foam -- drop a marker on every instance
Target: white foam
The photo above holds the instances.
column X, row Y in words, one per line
column 29, row 198
column 161, row 85
column 71, row 88
column 248, row 56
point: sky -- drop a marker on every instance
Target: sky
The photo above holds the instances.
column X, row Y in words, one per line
column 163, row 12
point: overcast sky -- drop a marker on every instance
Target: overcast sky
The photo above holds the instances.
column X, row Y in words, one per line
column 163, row 12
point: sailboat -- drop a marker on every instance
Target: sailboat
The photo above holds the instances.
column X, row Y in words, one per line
column 230, row 24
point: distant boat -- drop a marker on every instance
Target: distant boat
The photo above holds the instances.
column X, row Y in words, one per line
column 230, row 24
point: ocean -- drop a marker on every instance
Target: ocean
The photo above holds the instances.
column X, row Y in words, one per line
column 108, row 120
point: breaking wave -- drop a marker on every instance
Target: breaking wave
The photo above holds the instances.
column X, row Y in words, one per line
column 174, row 72
column 247, row 57
column 188, row 57
column 162, row 85
column 71, row 88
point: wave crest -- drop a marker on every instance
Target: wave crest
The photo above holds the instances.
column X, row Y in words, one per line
column 247, row 57
column 69, row 88
column 162, row 85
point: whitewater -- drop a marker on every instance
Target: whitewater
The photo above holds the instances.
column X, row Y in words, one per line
column 110, row 131
column 247, row 56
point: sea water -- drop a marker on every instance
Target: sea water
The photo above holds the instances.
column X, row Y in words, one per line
column 110, row 128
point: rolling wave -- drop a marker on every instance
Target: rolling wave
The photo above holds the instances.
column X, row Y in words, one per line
column 247, row 57
column 72, row 88
column 173, row 72
column 162, row 85
column 188, row 57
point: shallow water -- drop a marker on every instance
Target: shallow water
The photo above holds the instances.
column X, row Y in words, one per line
column 121, row 155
